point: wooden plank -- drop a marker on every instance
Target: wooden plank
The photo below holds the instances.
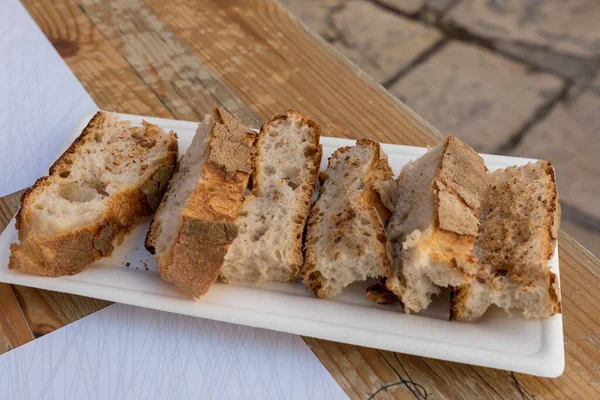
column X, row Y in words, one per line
column 110, row 81
column 187, row 88
column 14, row 328
column 268, row 58
column 8, row 208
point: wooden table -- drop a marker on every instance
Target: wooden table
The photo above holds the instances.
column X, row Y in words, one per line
column 176, row 59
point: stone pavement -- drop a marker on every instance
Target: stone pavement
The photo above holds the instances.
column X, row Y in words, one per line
column 515, row 77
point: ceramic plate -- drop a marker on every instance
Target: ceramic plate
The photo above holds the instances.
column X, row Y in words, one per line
column 130, row 276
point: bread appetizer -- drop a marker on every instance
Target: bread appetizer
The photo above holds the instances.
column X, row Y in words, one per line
column 517, row 237
column 346, row 240
column 435, row 222
column 196, row 221
column 488, row 236
column 270, row 225
column 112, row 174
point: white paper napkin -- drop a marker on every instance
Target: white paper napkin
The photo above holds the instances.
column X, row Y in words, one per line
column 41, row 101
column 125, row 352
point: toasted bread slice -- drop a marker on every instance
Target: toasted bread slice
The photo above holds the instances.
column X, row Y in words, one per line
column 435, row 222
column 196, row 221
column 268, row 246
column 112, row 174
column 517, row 237
column 346, row 239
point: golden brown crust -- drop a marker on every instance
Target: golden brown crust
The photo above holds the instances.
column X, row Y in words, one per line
column 457, row 180
column 208, row 219
column 70, row 252
column 457, row 302
column 554, row 289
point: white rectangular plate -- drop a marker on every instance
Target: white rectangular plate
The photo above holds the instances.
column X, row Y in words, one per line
column 130, row 276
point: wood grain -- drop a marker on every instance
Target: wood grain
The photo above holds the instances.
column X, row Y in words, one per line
column 110, row 81
column 14, row 328
column 274, row 63
column 177, row 59
column 186, row 87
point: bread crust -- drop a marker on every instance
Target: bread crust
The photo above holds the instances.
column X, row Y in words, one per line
column 208, row 218
column 70, row 252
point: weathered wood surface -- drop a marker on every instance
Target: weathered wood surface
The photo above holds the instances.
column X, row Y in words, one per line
column 177, row 59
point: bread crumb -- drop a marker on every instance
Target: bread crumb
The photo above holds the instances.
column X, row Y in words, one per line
column 380, row 294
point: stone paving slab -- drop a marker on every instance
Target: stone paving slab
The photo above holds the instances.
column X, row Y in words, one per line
column 571, row 27
column 314, row 13
column 412, row 7
column 595, row 85
column 379, row 42
column 589, row 239
column 570, row 138
column 474, row 94
column 575, row 68
column 405, row 6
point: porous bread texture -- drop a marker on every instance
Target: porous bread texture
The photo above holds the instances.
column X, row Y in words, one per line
column 346, row 239
column 435, row 222
column 195, row 223
column 110, row 175
column 521, row 219
column 271, row 221
column 517, row 237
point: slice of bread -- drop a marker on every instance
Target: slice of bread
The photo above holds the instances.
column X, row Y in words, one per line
column 346, row 239
column 196, row 220
column 435, row 222
column 271, row 222
column 112, row 174
column 517, row 237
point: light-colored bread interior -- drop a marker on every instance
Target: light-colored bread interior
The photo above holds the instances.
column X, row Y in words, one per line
column 110, row 175
column 414, row 213
column 346, row 236
column 110, row 159
column 271, row 221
